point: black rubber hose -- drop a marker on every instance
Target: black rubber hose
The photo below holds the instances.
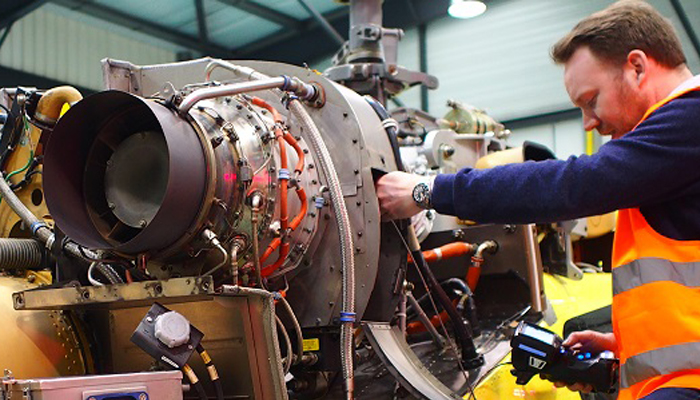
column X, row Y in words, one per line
column 455, row 288
column 21, row 254
column 470, row 357
column 391, row 131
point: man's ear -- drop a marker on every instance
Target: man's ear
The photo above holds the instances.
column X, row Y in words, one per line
column 638, row 64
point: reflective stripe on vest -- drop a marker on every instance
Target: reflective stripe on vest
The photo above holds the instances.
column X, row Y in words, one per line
column 657, row 362
column 648, row 270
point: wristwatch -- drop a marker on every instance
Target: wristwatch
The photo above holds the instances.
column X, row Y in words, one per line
column 422, row 193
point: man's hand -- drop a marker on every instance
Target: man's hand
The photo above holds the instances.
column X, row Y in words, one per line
column 395, row 193
column 587, row 342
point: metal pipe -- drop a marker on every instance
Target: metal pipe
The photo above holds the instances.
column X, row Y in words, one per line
column 288, row 344
column 534, row 265
column 234, row 262
column 228, row 90
column 51, row 103
column 423, row 317
column 402, row 311
column 256, row 202
column 297, row 329
column 488, row 245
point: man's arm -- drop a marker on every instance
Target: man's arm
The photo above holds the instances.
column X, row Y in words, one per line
column 644, row 167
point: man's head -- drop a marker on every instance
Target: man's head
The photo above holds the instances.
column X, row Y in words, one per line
column 618, row 63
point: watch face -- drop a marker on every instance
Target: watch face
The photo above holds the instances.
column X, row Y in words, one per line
column 421, row 193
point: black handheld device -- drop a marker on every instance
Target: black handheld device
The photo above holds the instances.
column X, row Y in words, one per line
column 537, row 350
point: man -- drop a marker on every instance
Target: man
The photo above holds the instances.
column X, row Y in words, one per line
column 624, row 67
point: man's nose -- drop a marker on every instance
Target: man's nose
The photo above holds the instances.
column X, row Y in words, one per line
column 590, row 122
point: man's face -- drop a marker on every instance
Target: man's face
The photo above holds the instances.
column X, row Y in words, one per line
column 609, row 95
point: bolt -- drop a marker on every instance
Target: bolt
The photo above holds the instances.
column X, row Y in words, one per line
column 306, row 151
column 354, row 141
column 143, row 396
column 149, row 319
column 143, row 223
column 359, row 233
column 331, row 303
column 358, row 203
column 250, row 116
column 111, row 206
column 239, row 107
column 356, row 171
column 109, row 163
column 345, row 115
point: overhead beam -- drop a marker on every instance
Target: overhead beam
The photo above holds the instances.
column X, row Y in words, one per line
column 264, row 12
column 5, row 34
column 147, row 27
column 687, row 25
column 332, row 33
column 267, row 46
column 11, row 11
column 201, row 20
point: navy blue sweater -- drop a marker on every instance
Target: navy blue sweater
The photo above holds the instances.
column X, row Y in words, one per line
column 656, row 167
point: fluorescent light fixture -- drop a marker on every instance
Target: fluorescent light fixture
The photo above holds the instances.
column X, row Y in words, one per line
column 466, row 8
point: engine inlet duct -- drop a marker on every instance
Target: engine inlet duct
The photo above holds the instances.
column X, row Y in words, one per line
column 124, row 173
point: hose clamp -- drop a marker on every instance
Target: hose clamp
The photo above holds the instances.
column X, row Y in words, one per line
column 35, row 226
column 319, row 202
column 283, row 174
column 347, row 316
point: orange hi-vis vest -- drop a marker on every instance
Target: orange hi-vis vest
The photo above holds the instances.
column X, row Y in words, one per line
column 656, row 300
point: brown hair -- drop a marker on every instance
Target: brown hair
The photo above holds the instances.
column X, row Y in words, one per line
column 620, row 28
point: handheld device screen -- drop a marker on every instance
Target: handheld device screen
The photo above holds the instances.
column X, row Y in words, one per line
column 538, row 334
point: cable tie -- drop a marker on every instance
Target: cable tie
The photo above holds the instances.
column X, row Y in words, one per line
column 347, row 317
column 319, row 202
column 35, row 226
column 283, row 174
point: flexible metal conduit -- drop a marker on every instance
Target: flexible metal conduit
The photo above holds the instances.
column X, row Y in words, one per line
column 20, row 254
column 341, row 216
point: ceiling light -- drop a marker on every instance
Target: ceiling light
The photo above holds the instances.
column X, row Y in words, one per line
column 466, row 8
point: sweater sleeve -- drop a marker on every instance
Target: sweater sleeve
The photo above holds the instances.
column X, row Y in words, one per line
column 654, row 163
